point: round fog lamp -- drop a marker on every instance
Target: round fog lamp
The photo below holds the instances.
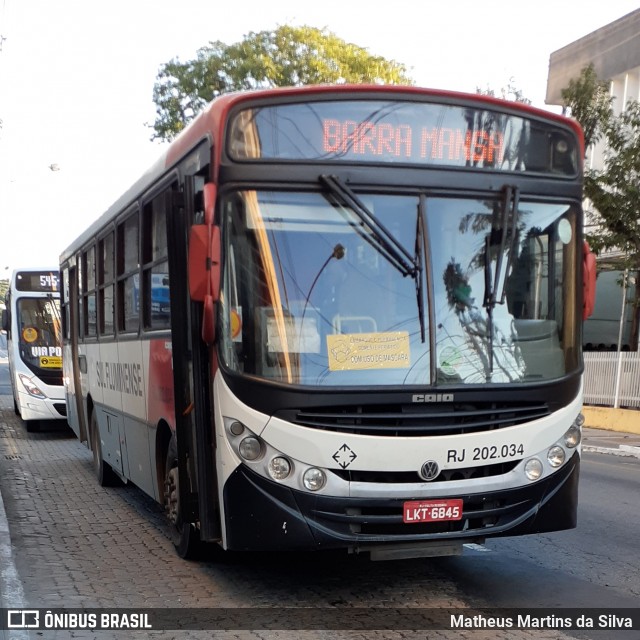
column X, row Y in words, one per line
column 556, row 456
column 533, row 469
column 250, row 448
column 313, row 479
column 572, row 437
column 279, row 468
column 236, row 428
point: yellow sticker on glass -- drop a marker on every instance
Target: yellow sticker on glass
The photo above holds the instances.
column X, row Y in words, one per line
column 29, row 334
column 50, row 362
column 362, row 351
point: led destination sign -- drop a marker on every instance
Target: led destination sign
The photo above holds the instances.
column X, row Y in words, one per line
column 37, row 281
column 368, row 139
column 365, row 131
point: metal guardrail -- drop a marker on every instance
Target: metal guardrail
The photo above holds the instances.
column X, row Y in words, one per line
column 612, row 379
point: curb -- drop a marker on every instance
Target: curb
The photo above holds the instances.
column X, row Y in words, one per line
column 609, row 419
column 623, row 450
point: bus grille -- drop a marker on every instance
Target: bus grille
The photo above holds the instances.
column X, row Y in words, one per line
column 436, row 419
column 481, row 514
column 409, row 477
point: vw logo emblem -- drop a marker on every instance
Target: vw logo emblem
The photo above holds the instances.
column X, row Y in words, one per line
column 430, row 470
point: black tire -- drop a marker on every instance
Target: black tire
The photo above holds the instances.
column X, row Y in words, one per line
column 106, row 476
column 16, row 408
column 33, row 426
column 184, row 535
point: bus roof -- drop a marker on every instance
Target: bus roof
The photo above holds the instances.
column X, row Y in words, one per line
column 210, row 122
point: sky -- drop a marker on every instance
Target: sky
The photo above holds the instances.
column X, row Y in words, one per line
column 76, row 82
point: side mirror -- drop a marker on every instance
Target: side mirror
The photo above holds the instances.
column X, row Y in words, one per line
column 204, row 262
column 588, row 281
column 209, row 197
column 5, row 320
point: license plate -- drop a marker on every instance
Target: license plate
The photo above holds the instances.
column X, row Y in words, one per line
column 432, row 510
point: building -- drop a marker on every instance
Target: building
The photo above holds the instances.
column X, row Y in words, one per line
column 614, row 51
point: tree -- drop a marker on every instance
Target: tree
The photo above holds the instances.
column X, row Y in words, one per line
column 4, row 286
column 510, row 92
column 587, row 99
column 615, row 193
column 288, row 56
column 614, row 190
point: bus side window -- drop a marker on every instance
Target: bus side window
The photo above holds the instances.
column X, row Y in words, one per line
column 155, row 258
column 89, row 294
column 106, row 305
column 128, row 274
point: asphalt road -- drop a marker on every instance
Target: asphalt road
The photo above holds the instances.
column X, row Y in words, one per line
column 596, row 564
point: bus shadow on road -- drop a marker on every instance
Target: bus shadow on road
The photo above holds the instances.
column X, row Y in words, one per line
column 58, row 429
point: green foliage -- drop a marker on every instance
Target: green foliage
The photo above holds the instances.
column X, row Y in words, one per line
column 614, row 190
column 288, row 56
column 587, row 100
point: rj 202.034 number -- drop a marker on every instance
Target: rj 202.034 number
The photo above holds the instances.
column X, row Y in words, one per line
column 492, row 452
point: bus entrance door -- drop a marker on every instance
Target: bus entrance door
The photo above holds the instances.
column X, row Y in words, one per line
column 79, row 362
column 192, row 378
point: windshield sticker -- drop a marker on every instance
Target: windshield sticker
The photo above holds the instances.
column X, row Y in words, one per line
column 360, row 351
column 51, row 362
column 450, row 360
column 286, row 334
column 29, row 334
column 236, row 324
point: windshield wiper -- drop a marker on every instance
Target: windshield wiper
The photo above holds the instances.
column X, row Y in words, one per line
column 420, row 253
column 381, row 239
column 506, row 230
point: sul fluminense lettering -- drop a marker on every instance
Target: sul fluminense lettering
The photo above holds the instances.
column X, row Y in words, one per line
column 125, row 377
column 404, row 141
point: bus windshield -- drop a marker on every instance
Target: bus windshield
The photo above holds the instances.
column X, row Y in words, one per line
column 40, row 339
column 312, row 295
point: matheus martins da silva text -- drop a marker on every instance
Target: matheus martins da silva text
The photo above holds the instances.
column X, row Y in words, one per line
column 522, row 621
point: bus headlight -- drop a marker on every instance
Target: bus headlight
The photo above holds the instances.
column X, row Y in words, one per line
column 556, row 456
column 314, row 479
column 533, row 469
column 572, row 437
column 279, row 468
column 31, row 388
column 250, row 448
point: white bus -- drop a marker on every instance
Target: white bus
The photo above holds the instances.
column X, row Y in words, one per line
column 373, row 335
column 34, row 346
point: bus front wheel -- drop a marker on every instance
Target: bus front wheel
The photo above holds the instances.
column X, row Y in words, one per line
column 184, row 535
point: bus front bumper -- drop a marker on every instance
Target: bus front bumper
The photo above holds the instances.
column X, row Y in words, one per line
column 264, row 515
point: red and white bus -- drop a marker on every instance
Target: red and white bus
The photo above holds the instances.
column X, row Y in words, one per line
column 373, row 341
column 34, row 345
